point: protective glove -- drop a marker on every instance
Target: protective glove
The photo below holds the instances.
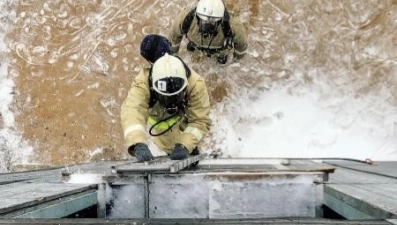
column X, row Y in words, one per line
column 141, row 151
column 190, row 46
column 179, row 152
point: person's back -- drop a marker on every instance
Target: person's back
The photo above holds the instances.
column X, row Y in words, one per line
column 210, row 29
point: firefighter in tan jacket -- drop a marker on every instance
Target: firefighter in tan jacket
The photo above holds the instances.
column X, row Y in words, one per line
column 173, row 100
column 210, row 29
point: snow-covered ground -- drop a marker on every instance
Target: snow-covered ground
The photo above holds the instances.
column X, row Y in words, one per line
column 13, row 148
column 319, row 79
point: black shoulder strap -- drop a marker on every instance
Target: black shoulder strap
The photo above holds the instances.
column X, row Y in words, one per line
column 188, row 21
column 227, row 31
column 152, row 92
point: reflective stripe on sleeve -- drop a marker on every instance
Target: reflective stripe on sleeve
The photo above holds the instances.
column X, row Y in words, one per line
column 132, row 129
column 196, row 132
column 241, row 53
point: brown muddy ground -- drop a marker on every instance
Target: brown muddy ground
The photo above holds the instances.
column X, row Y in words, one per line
column 73, row 60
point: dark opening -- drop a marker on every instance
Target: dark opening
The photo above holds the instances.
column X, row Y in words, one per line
column 331, row 214
column 90, row 212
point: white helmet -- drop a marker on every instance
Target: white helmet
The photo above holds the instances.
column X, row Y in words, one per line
column 169, row 80
column 210, row 9
column 165, row 68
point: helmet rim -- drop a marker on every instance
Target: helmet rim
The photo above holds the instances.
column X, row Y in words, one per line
column 211, row 8
column 209, row 18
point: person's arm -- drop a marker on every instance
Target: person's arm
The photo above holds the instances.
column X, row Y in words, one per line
column 134, row 110
column 199, row 121
column 176, row 33
column 240, row 40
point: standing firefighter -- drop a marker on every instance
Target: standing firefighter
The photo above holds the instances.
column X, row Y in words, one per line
column 210, row 29
column 173, row 100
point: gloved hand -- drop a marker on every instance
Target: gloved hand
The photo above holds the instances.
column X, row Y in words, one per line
column 179, row 152
column 190, row 46
column 141, row 151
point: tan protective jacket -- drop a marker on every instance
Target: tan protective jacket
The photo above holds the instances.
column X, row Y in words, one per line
column 195, row 123
column 240, row 38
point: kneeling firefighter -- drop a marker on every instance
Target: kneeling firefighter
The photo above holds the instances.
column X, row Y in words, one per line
column 173, row 100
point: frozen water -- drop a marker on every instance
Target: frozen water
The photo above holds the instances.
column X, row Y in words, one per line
column 319, row 79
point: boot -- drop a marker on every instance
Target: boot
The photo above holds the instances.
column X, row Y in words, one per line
column 222, row 59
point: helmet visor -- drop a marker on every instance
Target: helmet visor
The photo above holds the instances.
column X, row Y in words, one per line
column 171, row 92
column 169, row 86
column 209, row 19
